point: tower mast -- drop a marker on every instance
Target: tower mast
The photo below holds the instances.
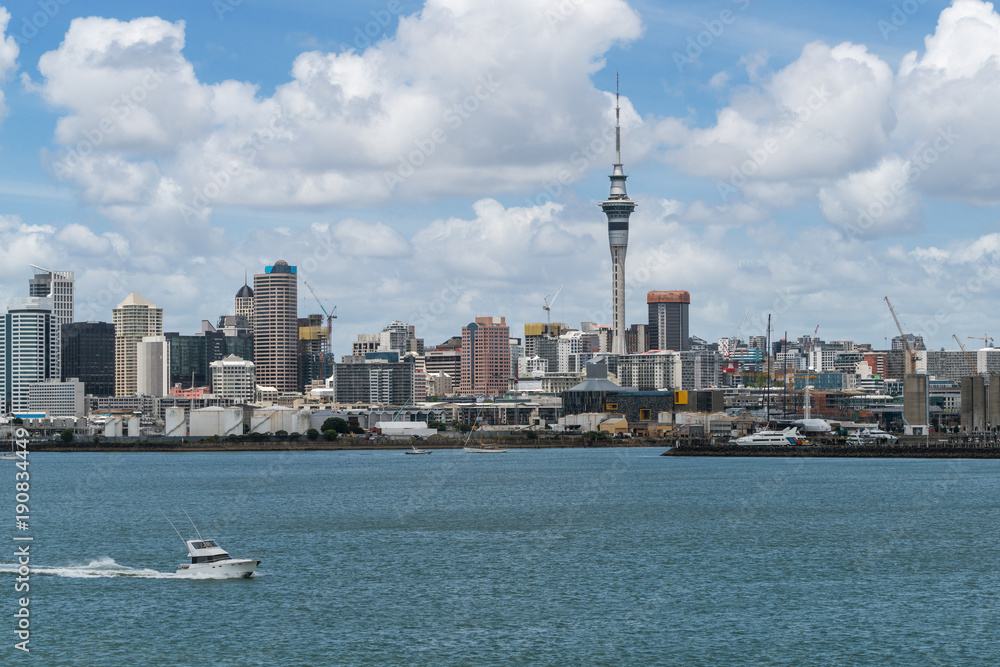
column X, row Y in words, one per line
column 618, row 207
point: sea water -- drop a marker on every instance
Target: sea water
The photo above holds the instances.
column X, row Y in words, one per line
column 549, row 557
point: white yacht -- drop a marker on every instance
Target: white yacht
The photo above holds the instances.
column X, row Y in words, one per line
column 418, row 451
column 877, row 435
column 486, row 449
column 211, row 561
column 789, row 436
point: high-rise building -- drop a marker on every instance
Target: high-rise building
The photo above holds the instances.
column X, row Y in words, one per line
column 618, row 207
column 59, row 286
column 275, row 327
column 668, row 320
column 134, row 319
column 233, row 378
column 486, row 357
column 315, row 361
column 88, row 353
column 380, row 377
column 244, row 305
column 152, row 360
column 29, row 350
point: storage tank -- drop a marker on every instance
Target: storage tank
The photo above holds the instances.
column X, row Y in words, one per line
column 133, row 427
column 206, row 422
column 232, row 421
column 175, row 426
column 113, row 428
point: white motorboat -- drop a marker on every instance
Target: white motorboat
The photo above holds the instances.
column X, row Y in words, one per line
column 211, row 561
column 486, row 449
column 788, row 436
column 418, row 451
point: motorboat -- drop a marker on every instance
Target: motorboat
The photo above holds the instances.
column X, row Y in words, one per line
column 788, row 436
column 418, row 451
column 211, row 561
column 486, row 449
column 875, row 435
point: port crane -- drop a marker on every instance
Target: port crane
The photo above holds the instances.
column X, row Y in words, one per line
column 968, row 357
column 910, row 362
column 330, row 317
column 549, row 301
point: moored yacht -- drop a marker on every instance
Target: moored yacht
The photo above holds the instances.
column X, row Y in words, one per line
column 788, row 436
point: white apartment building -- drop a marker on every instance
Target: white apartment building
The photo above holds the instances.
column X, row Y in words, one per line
column 152, row 356
column 29, row 350
column 233, row 378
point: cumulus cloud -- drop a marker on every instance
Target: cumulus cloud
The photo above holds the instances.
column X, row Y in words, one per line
column 875, row 202
column 8, row 55
column 403, row 117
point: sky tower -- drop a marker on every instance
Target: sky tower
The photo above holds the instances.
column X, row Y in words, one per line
column 618, row 207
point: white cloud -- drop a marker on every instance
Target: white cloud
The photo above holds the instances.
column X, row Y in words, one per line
column 9, row 51
column 875, row 202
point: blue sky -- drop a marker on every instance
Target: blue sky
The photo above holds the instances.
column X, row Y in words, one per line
column 336, row 151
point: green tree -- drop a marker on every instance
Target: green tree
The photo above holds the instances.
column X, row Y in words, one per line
column 67, row 435
column 330, row 434
column 312, row 434
column 295, row 435
column 337, row 424
column 281, row 434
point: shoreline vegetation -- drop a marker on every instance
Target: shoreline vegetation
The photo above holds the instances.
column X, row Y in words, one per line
column 825, row 448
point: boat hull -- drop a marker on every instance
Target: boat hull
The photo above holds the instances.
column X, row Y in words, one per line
column 229, row 569
column 485, row 450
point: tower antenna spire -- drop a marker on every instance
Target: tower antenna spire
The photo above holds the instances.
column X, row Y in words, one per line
column 618, row 125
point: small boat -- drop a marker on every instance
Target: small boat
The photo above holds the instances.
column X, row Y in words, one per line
column 11, row 455
column 418, row 451
column 789, row 436
column 209, row 560
column 486, row 449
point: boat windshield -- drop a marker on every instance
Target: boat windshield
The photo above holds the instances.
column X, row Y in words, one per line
column 209, row 559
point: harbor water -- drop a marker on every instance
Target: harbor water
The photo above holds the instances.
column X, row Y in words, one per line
column 548, row 557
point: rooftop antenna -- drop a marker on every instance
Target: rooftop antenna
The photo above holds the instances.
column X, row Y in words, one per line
column 174, row 527
column 192, row 525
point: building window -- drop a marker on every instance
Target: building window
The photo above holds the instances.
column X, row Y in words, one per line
column 645, row 415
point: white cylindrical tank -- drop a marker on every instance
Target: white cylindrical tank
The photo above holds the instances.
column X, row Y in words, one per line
column 206, row 422
column 113, row 428
column 232, row 421
column 133, row 427
column 175, row 426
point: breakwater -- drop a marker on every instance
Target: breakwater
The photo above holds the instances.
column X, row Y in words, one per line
column 944, row 449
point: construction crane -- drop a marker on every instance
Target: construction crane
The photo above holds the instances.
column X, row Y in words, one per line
column 330, row 317
column 910, row 362
column 548, row 309
column 730, row 366
column 987, row 341
column 968, row 357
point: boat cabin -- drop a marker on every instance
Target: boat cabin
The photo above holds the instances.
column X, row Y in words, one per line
column 206, row 551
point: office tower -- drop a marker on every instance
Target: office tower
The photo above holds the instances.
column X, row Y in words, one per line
column 152, row 355
column 244, row 305
column 275, row 320
column 134, row 319
column 59, row 286
column 88, row 354
column 668, row 320
column 618, row 207
column 315, row 361
column 233, row 378
column 29, row 344
column 486, row 357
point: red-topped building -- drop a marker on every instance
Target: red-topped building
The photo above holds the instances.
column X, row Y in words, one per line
column 486, row 357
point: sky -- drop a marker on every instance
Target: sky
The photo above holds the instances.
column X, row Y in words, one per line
column 433, row 162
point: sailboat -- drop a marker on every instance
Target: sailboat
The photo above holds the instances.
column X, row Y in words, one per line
column 11, row 456
column 484, row 448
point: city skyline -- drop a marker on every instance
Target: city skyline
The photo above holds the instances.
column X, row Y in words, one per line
column 775, row 166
